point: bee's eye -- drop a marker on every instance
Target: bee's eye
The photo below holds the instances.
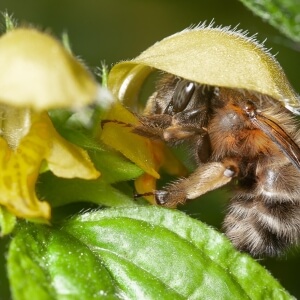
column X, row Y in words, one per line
column 182, row 95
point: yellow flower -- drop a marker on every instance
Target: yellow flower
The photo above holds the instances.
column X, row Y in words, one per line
column 37, row 74
column 207, row 55
column 148, row 155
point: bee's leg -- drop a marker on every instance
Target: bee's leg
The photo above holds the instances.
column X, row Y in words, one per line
column 179, row 133
column 172, row 135
column 207, row 177
column 174, row 129
column 104, row 122
column 153, row 126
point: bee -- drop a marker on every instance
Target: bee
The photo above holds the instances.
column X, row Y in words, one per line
column 238, row 136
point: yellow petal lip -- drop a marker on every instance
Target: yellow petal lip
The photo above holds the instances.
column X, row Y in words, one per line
column 136, row 148
column 213, row 56
column 20, row 167
column 39, row 73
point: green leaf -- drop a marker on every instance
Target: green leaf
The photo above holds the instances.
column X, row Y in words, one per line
column 7, row 221
column 26, row 253
column 113, row 166
column 60, row 191
column 134, row 253
column 185, row 256
column 283, row 14
column 45, row 263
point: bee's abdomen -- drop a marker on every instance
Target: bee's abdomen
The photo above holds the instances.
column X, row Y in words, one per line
column 263, row 226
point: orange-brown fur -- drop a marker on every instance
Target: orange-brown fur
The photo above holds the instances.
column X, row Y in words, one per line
column 222, row 126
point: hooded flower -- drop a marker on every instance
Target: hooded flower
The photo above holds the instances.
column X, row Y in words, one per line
column 207, row 55
column 37, row 74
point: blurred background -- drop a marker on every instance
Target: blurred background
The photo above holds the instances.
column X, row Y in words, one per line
column 113, row 30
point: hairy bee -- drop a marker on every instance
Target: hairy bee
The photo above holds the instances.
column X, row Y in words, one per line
column 236, row 134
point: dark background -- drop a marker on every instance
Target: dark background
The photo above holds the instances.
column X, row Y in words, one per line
column 113, row 30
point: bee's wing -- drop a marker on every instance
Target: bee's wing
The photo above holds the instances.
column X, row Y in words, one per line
column 279, row 137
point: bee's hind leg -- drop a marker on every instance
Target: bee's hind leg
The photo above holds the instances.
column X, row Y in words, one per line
column 207, row 177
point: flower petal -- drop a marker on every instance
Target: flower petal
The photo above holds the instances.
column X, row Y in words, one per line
column 69, row 161
column 21, row 166
column 65, row 159
column 37, row 72
column 213, row 56
column 149, row 155
column 19, row 172
column 138, row 149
